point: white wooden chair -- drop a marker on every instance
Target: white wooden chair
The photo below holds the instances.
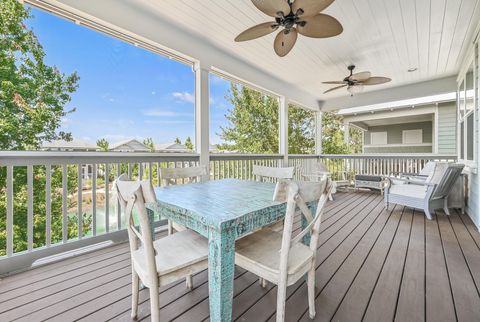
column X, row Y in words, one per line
column 171, row 175
column 279, row 258
column 263, row 173
column 319, row 170
column 158, row 262
column 428, row 195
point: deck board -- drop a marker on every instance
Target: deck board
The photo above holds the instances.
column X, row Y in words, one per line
column 372, row 264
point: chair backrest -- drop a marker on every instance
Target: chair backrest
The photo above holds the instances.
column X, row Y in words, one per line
column 133, row 195
column 171, row 175
column 321, row 167
column 263, row 173
column 298, row 194
column 444, row 177
column 428, row 168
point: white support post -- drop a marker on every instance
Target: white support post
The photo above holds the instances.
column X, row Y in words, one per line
column 283, row 129
column 346, row 136
column 202, row 101
column 318, row 132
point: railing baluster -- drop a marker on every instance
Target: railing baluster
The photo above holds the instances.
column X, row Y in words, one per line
column 94, row 199
column 64, row 203
column 9, row 210
column 29, row 208
column 117, row 203
column 48, row 205
column 107, row 197
column 79, row 202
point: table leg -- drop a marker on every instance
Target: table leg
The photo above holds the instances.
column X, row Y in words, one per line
column 221, row 268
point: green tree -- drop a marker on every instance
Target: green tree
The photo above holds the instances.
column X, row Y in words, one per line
column 252, row 122
column 103, row 145
column 149, row 144
column 33, row 98
column 33, row 95
column 301, row 130
column 333, row 136
column 188, row 143
column 177, row 140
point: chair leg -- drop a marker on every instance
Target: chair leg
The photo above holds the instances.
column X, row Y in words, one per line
column 154, row 303
column 170, row 227
column 428, row 213
column 262, row 282
column 445, row 207
column 330, row 197
column 189, row 282
column 311, row 293
column 135, row 289
column 281, row 297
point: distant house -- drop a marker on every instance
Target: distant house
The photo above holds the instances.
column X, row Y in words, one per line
column 130, row 145
column 426, row 128
column 171, row 147
column 73, row 145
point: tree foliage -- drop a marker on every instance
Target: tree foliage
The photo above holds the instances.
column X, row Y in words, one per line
column 33, row 97
column 253, row 127
column 103, row 145
column 148, row 142
column 188, row 143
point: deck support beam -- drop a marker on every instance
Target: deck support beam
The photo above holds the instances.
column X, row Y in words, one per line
column 318, row 132
column 202, row 101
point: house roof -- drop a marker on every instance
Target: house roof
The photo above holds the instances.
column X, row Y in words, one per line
column 74, row 144
column 171, row 147
column 129, row 145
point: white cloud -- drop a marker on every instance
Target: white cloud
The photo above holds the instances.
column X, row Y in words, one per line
column 154, row 93
column 161, row 113
column 184, row 97
column 166, row 122
column 65, row 122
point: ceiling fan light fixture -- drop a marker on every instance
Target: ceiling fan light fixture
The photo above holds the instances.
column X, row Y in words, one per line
column 355, row 89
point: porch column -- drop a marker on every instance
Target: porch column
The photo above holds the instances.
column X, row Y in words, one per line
column 283, row 129
column 346, row 136
column 318, row 132
column 202, row 142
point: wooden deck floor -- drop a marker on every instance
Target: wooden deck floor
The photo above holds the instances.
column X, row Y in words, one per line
column 372, row 265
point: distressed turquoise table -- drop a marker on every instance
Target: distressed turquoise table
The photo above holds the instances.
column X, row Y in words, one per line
column 222, row 211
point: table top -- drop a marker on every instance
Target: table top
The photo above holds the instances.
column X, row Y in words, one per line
column 219, row 201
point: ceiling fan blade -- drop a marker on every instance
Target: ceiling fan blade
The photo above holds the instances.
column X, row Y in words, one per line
column 334, row 82
column 285, row 41
column 272, row 7
column 334, row 88
column 360, row 77
column 310, row 7
column 320, row 26
column 376, row 80
column 257, row 31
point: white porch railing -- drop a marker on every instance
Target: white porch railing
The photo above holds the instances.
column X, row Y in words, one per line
column 61, row 201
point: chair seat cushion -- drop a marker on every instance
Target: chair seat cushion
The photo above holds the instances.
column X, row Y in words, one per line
column 260, row 253
column 174, row 252
column 409, row 190
column 366, row 177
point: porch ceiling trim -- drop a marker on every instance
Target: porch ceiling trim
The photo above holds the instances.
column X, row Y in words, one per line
column 134, row 20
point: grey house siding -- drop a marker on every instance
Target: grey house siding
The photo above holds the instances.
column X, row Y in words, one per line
column 447, row 128
column 394, row 136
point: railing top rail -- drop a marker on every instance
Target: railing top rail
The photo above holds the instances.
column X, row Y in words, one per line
column 244, row 156
column 23, row 158
column 391, row 156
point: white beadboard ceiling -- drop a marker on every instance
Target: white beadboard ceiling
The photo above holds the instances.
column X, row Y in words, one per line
column 384, row 37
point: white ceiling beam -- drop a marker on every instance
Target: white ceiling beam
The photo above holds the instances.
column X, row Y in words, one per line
column 422, row 89
column 129, row 16
column 388, row 115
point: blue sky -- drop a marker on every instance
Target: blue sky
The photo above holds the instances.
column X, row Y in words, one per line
column 124, row 91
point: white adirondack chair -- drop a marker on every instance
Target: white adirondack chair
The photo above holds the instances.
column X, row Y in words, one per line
column 279, row 258
column 424, row 175
column 263, row 173
column 428, row 195
column 158, row 262
column 170, row 177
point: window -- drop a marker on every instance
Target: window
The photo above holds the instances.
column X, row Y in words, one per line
column 467, row 100
column 378, row 138
column 412, row 136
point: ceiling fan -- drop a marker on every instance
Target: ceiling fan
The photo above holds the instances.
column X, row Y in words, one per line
column 295, row 17
column 355, row 82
